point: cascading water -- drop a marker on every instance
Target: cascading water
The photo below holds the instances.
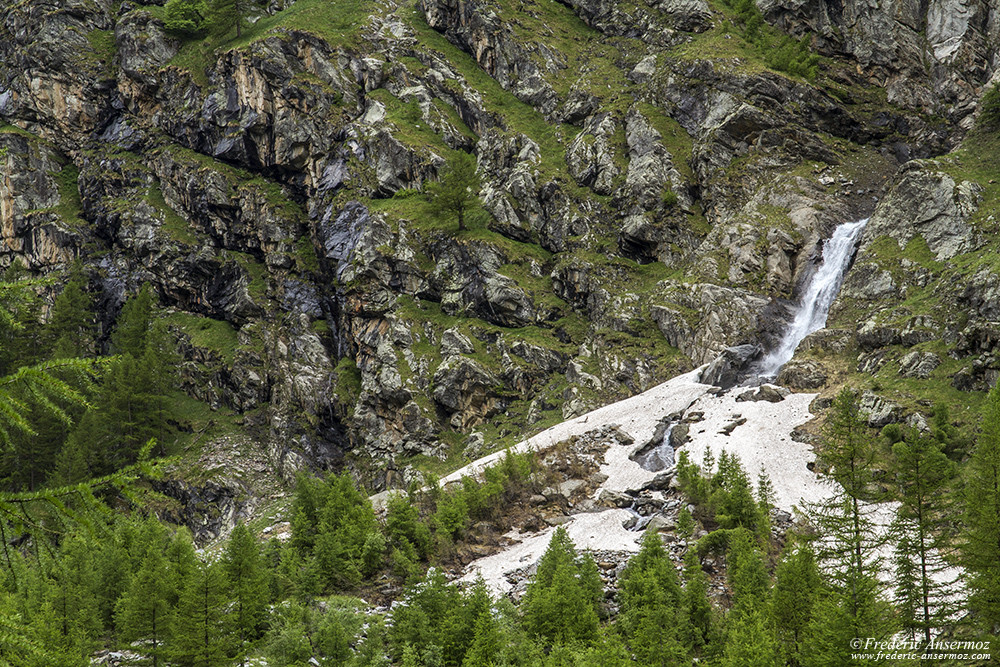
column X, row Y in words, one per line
column 814, row 305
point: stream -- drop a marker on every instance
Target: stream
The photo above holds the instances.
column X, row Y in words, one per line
column 755, row 424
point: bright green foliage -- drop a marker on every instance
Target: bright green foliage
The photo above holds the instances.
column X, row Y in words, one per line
column 561, row 603
column 750, row 636
column 457, row 191
column 989, row 109
column 781, row 52
column 923, row 474
column 460, row 628
column 404, row 528
column 829, row 634
column 185, row 17
column 333, row 522
column 199, row 634
column 487, row 643
column 248, row 587
column 750, row 642
column 144, row 611
column 981, row 544
column 747, row 576
column 685, row 523
column 70, row 331
column 19, row 645
column 288, row 643
column 422, row 622
column 850, row 538
column 733, row 498
column 696, row 604
column 651, row 618
column 797, row 586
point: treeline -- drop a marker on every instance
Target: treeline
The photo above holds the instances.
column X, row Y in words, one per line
column 135, row 585
column 881, row 558
column 115, row 410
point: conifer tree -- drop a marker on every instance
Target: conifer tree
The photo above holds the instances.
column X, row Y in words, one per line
column 247, row 578
column 560, row 606
column 696, row 604
column 199, row 637
column 422, row 621
column 981, row 541
column 70, row 331
column 144, row 611
column 458, row 190
column 224, row 15
column 797, row 586
column 922, row 521
column 848, row 547
column 651, row 616
column 459, row 630
column 750, row 638
column 133, row 323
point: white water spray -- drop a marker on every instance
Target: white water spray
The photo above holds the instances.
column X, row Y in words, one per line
column 814, row 305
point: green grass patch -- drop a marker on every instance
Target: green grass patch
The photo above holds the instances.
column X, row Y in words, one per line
column 69, row 208
column 340, row 23
column 208, row 333
column 173, row 223
column 102, row 44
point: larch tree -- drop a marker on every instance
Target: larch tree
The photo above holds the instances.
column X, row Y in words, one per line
column 797, row 586
column 651, row 615
column 199, row 636
column 921, row 528
column 981, row 539
column 560, row 604
column 850, row 536
column 249, row 587
column 457, row 191
column 144, row 611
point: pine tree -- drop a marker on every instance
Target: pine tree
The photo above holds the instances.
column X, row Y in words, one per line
column 923, row 473
column 199, row 637
column 848, row 548
column 71, row 325
column 133, row 323
column 651, row 616
column 981, row 541
column 144, row 612
column 797, row 586
column 248, row 582
column 557, row 606
column 458, row 189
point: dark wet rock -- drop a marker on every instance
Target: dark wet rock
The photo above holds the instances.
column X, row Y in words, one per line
column 729, row 368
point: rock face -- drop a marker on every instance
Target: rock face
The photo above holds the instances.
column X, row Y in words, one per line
column 928, row 204
column 644, row 203
column 928, row 55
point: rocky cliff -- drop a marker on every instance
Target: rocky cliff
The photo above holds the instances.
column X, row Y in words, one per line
column 653, row 192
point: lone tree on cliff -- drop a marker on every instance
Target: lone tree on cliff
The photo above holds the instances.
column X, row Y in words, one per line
column 458, row 189
column 224, row 14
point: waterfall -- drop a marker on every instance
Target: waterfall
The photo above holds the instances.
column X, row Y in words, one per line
column 815, row 302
